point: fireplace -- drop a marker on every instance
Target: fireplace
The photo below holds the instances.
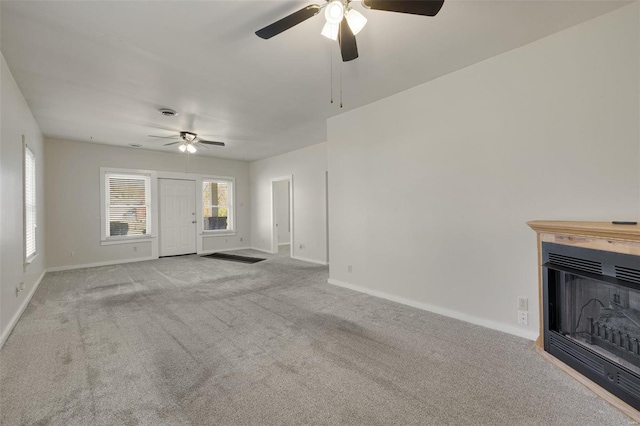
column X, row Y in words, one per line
column 591, row 315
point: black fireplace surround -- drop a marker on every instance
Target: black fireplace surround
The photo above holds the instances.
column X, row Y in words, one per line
column 591, row 315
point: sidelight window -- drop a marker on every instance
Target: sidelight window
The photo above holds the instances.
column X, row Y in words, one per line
column 217, row 205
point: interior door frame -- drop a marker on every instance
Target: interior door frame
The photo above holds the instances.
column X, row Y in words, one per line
column 274, row 243
column 195, row 200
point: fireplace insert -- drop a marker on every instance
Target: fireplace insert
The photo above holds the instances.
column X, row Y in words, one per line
column 592, row 315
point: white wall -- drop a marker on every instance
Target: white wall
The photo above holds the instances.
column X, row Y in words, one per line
column 308, row 167
column 16, row 120
column 281, row 192
column 73, row 199
column 430, row 188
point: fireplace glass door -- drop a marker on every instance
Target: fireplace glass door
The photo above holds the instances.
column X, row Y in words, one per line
column 591, row 315
column 601, row 316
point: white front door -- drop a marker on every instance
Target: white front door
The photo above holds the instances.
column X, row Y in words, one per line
column 177, row 217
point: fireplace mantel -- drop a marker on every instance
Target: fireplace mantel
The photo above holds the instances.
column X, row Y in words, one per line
column 603, row 236
column 599, row 230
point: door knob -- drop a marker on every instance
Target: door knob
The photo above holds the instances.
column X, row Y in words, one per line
column 193, row 221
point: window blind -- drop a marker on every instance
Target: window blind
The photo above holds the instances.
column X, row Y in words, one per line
column 127, row 205
column 30, row 202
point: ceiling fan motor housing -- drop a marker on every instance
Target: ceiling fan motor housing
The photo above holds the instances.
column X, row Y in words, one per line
column 188, row 136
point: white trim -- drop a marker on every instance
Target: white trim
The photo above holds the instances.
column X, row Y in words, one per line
column 530, row 335
column 96, row 264
column 207, row 234
column 16, row 317
column 283, row 244
column 31, row 258
column 125, row 240
column 274, row 245
column 211, row 178
column 177, row 175
column 262, row 250
column 204, row 253
column 304, row 259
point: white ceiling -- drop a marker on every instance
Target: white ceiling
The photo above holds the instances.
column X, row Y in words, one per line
column 98, row 71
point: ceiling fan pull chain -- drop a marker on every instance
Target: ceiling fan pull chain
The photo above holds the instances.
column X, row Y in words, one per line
column 340, row 84
column 331, row 71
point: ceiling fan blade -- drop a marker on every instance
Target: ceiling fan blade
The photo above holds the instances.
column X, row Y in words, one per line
column 414, row 7
column 164, row 137
column 288, row 22
column 211, row 143
column 172, row 143
column 347, row 41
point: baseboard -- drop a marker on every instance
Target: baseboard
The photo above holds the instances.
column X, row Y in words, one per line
column 530, row 335
column 304, row 259
column 16, row 317
column 204, row 253
column 262, row 250
column 93, row 265
column 283, row 244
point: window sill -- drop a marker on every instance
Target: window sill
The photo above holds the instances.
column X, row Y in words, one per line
column 30, row 259
column 224, row 233
column 131, row 240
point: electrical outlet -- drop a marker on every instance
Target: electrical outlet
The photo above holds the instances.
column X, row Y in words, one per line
column 241, row 239
column 349, row 268
column 523, row 318
column 71, row 254
column 226, row 240
column 523, row 303
column 135, row 248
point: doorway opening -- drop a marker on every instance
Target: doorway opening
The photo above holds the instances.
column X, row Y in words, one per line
column 282, row 215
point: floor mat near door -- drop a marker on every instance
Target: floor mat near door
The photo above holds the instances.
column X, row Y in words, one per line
column 234, row 258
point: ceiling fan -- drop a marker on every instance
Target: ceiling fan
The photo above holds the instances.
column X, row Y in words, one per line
column 344, row 22
column 188, row 140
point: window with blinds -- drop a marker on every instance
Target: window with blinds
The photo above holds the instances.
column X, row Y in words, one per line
column 217, row 206
column 127, row 204
column 30, row 222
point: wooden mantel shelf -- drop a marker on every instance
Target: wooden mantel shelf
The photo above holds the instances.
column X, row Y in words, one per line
column 593, row 235
column 605, row 230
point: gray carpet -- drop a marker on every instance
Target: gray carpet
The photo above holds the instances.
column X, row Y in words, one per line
column 191, row 340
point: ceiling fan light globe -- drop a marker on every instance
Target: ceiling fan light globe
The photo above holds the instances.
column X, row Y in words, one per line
column 334, row 12
column 330, row 31
column 191, row 149
column 356, row 21
column 183, row 147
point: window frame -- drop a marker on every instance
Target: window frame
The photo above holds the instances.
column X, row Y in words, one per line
column 231, row 205
column 150, row 195
column 28, row 209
